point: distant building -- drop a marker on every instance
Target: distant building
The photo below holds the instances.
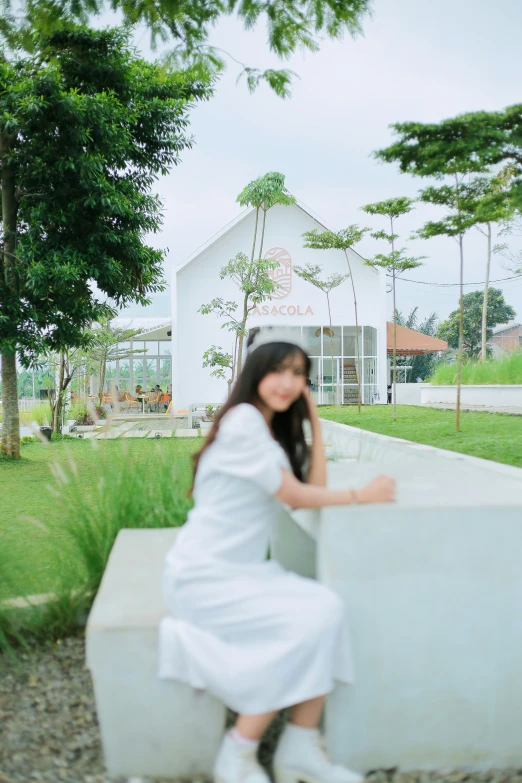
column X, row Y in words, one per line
column 506, row 337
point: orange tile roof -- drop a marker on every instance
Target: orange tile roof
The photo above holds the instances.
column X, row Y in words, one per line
column 412, row 343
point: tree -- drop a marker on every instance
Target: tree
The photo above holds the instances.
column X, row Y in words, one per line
column 262, row 194
column 452, row 151
column 422, row 364
column 255, row 284
column 475, row 142
column 85, row 129
column 102, row 346
column 395, row 262
column 312, row 274
column 220, row 361
column 489, row 205
column 461, row 201
column 341, row 240
column 64, row 365
column 290, row 25
column 498, row 313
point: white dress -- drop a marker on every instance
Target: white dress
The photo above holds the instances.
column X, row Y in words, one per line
column 256, row 636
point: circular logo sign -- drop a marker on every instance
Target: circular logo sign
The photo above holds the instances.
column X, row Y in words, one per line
column 282, row 274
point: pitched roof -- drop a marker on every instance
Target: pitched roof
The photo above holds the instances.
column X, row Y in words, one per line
column 505, row 328
column 412, row 343
column 238, row 219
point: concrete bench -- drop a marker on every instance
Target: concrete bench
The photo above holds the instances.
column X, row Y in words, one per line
column 433, row 591
column 149, row 727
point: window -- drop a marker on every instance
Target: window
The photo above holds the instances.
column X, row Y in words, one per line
column 312, row 340
column 333, row 340
column 370, row 341
column 350, row 344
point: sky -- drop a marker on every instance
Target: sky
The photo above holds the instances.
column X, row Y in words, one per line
column 416, row 61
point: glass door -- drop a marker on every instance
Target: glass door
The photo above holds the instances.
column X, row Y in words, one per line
column 331, row 386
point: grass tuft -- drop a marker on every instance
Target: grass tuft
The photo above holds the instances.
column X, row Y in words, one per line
column 58, row 539
column 506, row 370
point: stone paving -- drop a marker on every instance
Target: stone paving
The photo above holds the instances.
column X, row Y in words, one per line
column 143, row 428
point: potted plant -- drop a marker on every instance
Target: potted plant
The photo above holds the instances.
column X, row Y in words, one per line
column 208, row 419
column 84, row 421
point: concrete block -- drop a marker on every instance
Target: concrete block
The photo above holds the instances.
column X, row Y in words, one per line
column 136, row 434
column 162, row 433
column 432, row 587
column 149, row 727
column 187, row 433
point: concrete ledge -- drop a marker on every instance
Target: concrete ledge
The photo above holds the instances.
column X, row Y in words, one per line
column 490, row 395
column 149, row 727
column 432, row 587
column 345, row 442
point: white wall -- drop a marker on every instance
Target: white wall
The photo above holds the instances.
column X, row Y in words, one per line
column 198, row 282
column 409, row 393
column 496, row 396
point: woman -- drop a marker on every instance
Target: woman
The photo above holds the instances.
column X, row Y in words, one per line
column 258, row 637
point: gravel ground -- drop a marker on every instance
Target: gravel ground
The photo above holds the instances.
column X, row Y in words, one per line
column 49, row 732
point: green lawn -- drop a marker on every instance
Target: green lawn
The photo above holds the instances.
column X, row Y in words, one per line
column 28, row 496
column 28, row 489
column 494, row 436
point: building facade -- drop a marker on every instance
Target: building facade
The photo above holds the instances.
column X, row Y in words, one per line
column 507, row 337
column 295, row 305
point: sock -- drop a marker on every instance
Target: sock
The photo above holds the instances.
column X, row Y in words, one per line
column 236, row 735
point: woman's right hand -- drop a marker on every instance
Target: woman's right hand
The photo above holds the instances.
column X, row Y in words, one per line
column 380, row 490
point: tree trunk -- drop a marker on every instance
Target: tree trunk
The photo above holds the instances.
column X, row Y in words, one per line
column 461, row 332
column 58, row 400
column 255, row 237
column 10, row 415
column 357, row 347
column 331, row 345
column 483, row 352
column 262, row 234
column 394, row 360
column 461, row 308
column 234, row 362
column 11, row 418
column 103, row 372
column 394, row 355
column 242, row 336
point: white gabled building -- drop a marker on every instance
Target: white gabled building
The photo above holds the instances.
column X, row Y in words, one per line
column 296, row 305
column 172, row 351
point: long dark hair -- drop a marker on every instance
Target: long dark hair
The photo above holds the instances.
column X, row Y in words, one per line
column 288, row 425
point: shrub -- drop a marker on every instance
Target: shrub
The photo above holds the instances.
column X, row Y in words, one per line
column 41, row 414
column 505, row 370
column 84, row 418
column 85, row 528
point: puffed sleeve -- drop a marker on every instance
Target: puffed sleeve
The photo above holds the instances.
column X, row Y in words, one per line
column 247, row 450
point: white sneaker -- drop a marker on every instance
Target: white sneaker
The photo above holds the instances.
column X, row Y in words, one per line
column 301, row 756
column 236, row 763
